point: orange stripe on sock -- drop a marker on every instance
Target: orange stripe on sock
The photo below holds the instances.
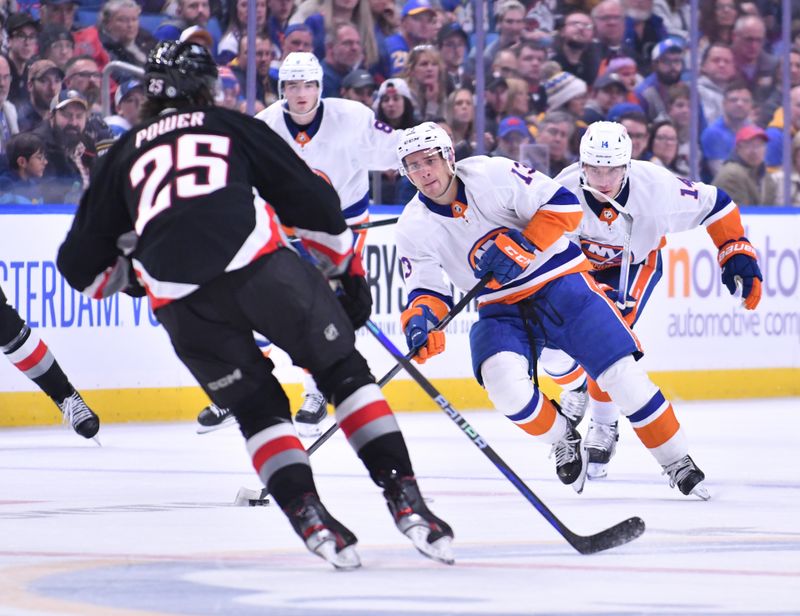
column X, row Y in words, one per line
column 659, row 431
column 595, row 393
column 544, row 419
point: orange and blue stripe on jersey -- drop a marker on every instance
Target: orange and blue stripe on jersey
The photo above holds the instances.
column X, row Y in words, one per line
column 560, row 214
column 724, row 222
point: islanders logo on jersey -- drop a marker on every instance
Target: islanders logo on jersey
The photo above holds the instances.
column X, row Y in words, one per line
column 608, row 215
column 601, row 256
column 458, row 209
column 480, row 247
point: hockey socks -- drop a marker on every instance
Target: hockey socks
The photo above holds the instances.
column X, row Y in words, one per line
column 31, row 356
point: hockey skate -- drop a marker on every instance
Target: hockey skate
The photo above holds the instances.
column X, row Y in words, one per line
column 685, row 474
column 574, row 403
column 312, row 413
column 430, row 535
column 213, row 418
column 323, row 535
column 601, row 443
column 571, row 459
column 82, row 419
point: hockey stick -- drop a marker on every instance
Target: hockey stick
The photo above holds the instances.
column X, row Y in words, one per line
column 257, row 498
column 625, row 263
column 374, row 223
column 617, row 535
column 463, row 303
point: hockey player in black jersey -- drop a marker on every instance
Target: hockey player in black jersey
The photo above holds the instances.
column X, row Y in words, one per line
column 171, row 209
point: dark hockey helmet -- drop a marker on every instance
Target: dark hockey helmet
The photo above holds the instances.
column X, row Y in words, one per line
column 179, row 70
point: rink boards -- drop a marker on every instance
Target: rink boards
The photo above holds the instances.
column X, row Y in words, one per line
column 699, row 343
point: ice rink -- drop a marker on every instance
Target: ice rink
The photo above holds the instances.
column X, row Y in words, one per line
column 145, row 525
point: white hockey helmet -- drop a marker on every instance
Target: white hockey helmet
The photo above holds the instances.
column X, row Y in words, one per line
column 606, row 144
column 425, row 137
column 300, row 66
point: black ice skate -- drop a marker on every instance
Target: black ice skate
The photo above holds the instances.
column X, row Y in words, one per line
column 600, row 443
column 322, row 533
column 213, row 418
column 82, row 419
column 688, row 477
column 571, row 461
column 312, row 413
column 431, row 536
column 574, row 403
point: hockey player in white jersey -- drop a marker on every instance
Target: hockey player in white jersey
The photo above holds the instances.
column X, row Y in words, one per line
column 496, row 215
column 658, row 203
column 341, row 141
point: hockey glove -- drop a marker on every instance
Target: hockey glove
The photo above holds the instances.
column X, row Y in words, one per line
column 737, row 258
column 507, row 257
column 354, row 294
column 418, row 322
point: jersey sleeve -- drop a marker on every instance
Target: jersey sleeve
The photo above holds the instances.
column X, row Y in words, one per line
column 420, row 268
column 379, row 144
column 549, row 209
column 92, row 257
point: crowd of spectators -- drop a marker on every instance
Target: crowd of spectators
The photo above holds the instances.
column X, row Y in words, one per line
column 551, row 68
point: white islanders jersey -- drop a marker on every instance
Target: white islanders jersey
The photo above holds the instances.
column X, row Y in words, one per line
column 659, row 203
column 342, row 146
column 495, row 195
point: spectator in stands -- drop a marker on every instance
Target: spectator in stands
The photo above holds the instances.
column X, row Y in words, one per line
column 512, row 134
column 187, row 13
column 574, row 50
column 754, row 65
column 120, row 33
column 70, row 151
column 667, row 65
column 8, row 112
column 460, row 116
column 426, row 78
column 23, row 36
column 774, row 101
column 608, row 90
column 679, row 112
column 128, row 100
column 44, row 82
column 26, row 162
column 565, row 92
column 775, row 128
column 82, row 74
column 56, row 44
column 643, row 31
column 322, row 15
column 635, row 122
column 297, row 37
column 531, row 57
column 717, row 18
column 228, row 94
column 393, row 105
column 237, row 27
column 496, row 97
column 744, row 177
column 625, row 68
column 608, row 18
column 676, row 15
column 343, row 54
column 87, row 40
column 718, row 139
column 794, row 183
column 509, row 21
column 279, row 12
column 717, row 71
column 504, row 64
column 359, row 85
column 266, row 85
column 517, row 104
column 418, row 26
column 386, row 17
column 556, row 130
column 664, row 148
column 453, row 44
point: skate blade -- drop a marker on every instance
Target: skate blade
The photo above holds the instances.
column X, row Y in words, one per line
column 246, row 497
column 440, row 550
column 345, row 559
column 307, row 430
column 97, row 441
column 701, row 492
column 596, row 470
column 580, row 482
column 228, row 421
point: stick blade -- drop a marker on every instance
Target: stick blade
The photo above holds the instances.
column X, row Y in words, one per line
column 619, row 534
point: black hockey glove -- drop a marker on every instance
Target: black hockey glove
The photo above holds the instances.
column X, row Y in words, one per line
column 354, row 293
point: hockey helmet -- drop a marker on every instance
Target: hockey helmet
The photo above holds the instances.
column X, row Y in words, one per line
column 606, row 144
column 176, row 70
column 427, row 136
